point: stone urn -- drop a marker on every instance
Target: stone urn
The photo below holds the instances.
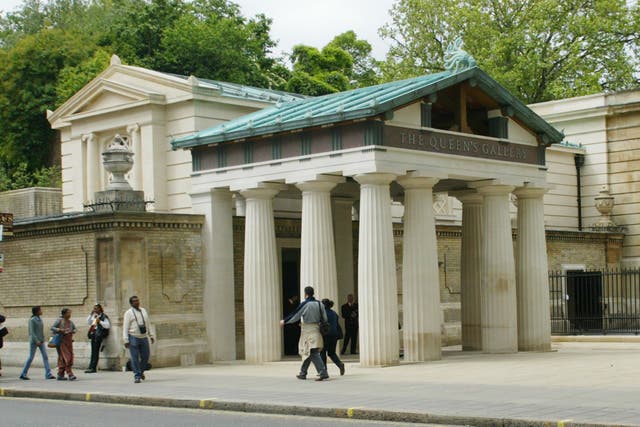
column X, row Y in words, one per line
column 604, row 204
column 118, row 160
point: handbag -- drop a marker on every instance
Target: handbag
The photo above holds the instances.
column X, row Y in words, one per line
column 324, row 326
column 55, row 341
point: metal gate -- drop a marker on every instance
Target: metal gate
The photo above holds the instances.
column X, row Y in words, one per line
column 595, row 302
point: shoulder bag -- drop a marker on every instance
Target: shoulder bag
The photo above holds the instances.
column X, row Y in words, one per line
column 324, row 326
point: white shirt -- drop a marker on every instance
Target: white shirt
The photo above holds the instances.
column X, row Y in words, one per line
column 104, row 323
column 130, row 326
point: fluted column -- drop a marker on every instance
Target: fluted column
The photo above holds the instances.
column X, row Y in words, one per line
column 136, row 172
column 532, row 280
column 498, row 310
column 93, row 165
column 343, row 238
column 470, row 270
column 420, row 280
column 377, row 289
column 218, row 300
column 317, row 248
column 262, row 291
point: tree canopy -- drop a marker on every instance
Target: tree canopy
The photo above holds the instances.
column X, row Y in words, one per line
column 538, row 49
column 344, row 63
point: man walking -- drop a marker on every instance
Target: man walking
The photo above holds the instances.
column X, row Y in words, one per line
column 350, row 316
column 36, row 341
column 136, row 333
column 310, row 312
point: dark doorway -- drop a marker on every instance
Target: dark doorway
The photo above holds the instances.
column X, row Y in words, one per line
column 290, row 296
column 584, row 304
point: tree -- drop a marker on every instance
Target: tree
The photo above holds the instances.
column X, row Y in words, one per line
column 344, row 63
column 538, row 49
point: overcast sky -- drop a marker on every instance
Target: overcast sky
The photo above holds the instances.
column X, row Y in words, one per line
column 312, row 23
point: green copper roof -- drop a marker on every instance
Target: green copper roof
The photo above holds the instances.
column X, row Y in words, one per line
column 361, row 104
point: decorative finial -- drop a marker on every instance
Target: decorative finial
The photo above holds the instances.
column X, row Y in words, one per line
column 115, row 60
column 456, row 59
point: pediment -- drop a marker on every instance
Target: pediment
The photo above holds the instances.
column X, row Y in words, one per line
column 107, row 98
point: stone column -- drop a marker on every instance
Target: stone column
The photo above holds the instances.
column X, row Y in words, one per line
column 93, row 165
column 317, row 248
column 154, row 147
column 262, row 290
column 136, row 173
column 498, row 312
column 219, row 286
column 377, row 289
column 343, row 237
column 420, row 281
column 470, row 266
column 532, row 281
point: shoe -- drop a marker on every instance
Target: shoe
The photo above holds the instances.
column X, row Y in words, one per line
column 342, row 369
column 143, row 377
column 50, row 377
column 301, row 377
column 61, row 378
column 72, row 378
column 24, row 377
column 137, row 381
column 322, row 378
column 90, row 371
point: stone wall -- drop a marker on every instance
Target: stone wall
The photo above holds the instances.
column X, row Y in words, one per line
column 31, row 202
column 77, row 261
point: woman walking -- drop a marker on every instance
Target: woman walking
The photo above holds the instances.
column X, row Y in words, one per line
column 331, row 339
column 65, row 327
column 36, row 341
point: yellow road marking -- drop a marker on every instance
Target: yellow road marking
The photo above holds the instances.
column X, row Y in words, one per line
column 350, row 412
column 561, row 422
column 1, row 392
column 87, row 397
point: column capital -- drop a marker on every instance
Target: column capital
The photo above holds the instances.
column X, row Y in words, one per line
column 316, row 185
column 375, row 178
column 409, row 182
column 88, row 137
column 135, row 127
column 529, row 192
column 264, row 190
column 494, row 189
column 468, row 197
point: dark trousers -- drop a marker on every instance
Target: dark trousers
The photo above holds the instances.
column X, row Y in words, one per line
column 350, row 335
column 330, row 344
column 96, row 343
column 317, row 362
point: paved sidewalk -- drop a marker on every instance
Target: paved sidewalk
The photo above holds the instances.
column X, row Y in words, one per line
column 577, row 384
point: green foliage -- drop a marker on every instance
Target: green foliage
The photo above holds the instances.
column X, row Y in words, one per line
column 72, row 78
column 14, row 178
column 344, row 63
column 538, row 49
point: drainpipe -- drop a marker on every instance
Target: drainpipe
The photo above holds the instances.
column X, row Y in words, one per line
column 579, row 161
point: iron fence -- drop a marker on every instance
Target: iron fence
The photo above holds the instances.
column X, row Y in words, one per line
column 595, row 302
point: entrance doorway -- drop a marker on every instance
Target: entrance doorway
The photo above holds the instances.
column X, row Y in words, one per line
column 291, row 297
column 584, row 305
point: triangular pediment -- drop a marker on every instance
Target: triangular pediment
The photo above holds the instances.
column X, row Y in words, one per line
column 107, row 96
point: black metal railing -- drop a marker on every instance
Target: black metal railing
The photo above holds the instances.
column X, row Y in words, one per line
column 595, row 302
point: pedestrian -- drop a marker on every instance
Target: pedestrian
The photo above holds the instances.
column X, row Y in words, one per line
column 310, row 312
column 3, row 332
column 99, row 326
column 331, row 339
column 291, row 331
column 36, row 341
column 136, row 333
column 65, row 327
column 350, row 316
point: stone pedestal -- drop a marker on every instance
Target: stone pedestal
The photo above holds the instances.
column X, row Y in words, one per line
column 498, row 279
column 262, row 290
column 377, row 289
column 420, row 281
column 470, row 270
column 119, row 201
column 534, row 324
column 317, row 248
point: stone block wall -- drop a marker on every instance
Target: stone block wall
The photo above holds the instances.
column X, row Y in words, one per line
column 31, row 202
column 78, row 261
